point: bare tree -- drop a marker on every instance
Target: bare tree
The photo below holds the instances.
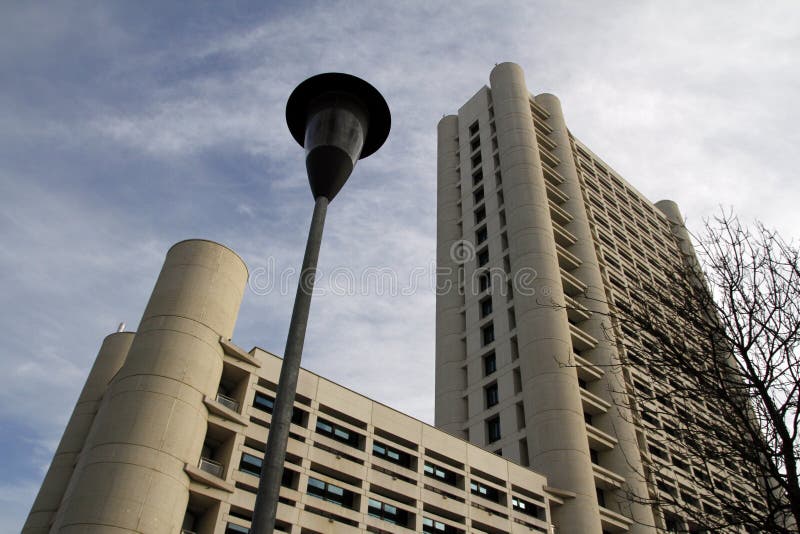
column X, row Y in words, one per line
column 717, row 336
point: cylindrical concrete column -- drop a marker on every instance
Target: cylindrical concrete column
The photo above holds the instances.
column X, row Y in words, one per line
column 154, row 421
column 109, row 359
column 557, row 441
column 450, row 348
column 625, row 458
column 673, row 213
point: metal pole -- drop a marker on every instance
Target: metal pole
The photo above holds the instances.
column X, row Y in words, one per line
column 269, row 485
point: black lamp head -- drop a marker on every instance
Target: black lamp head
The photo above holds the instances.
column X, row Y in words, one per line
column 339, row 119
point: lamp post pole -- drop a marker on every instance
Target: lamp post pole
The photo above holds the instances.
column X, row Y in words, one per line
column 338, row 119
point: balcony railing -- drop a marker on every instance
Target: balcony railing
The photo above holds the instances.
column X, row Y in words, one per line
column 211, row 466
column 228, row 402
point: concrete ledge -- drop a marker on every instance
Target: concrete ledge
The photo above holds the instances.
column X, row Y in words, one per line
column 207, row 479
column 223, row 411
column 235, row 352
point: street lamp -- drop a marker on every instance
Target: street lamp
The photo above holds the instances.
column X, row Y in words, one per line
column 338, row 119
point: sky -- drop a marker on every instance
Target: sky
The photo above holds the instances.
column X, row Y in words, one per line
column 128, row 126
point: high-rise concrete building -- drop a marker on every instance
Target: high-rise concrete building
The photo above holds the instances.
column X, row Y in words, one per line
column 169, row 433
column 538, row 240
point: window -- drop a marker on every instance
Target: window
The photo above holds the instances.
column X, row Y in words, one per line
column 437, row 527
column 491, row 394
column 440, row 473
column 601, row 497
column 487, row 334
column 480, row 235
column 474, row 144
column 478, row 195
column 476, row 160
column 500, row 198
column 329, row 492
column 481, row 490
column 473, row 128
column 595, row 456
column 484, row 281
column 486, row 307
column 250, row 464
column 338, row 433
column 477, row 177
column 527, row 508
column 493, row 429
column 489, row 364
column 262, row 402
column 267, row 404
column 233, row 528
column 672, row 524
column 390, row 454
column 387, row 512
column 483, row 257
column 480, row 214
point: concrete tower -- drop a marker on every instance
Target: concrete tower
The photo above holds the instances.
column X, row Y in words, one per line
column 538, row 243
column 109, row 359
column 132, row 471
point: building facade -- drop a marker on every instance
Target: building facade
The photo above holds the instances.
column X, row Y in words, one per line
column 539, row 244
column 169, row 433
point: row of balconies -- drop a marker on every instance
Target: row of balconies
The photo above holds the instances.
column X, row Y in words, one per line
column 215, row 477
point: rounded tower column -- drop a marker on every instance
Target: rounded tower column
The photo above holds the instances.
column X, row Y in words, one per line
column 557, row 439
column 450, row 348
column 625, row 458
column 154, row 421
column 673, row 213
column 109, row 360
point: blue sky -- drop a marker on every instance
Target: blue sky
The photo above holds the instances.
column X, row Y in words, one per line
column 126, row 127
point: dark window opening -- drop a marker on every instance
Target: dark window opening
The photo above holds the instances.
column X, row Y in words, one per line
column 487, row 492
column 487, row 334
column 329, row 492
column 387, row 512
column 338, row 433
column 440, row 473
column 392, row 455
column 491, row 394
column 486, row 307
column 489, row 364
column 493, row 429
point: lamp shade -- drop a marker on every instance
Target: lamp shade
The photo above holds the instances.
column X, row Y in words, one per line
column 338, row 118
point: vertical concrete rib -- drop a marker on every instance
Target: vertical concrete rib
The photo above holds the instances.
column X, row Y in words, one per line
column 673, row 213
column 109, row 360
column 557, row 439
column 153, row 421
column 450, row 348
column 625, row 458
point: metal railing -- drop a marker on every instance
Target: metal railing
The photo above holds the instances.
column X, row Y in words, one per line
column 211, row 466
column 228, row 402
